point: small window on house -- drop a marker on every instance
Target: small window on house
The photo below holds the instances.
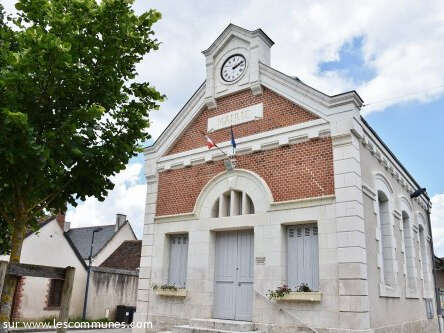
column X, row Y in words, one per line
column 232, row 203
column 55, row 293
column 177, row 272
column 303, row 256
column 386, row 239
column 408, row 250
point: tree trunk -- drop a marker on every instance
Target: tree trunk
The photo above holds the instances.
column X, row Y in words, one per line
column 11, row 281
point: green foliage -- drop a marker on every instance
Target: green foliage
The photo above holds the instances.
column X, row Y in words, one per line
column 165, row 287
column 283, row 290
column 71, row 112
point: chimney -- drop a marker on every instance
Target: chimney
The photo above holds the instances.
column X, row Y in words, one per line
column 120, row 220
column 60, row 218
column 66, row 226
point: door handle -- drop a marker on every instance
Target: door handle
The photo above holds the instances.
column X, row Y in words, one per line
column 239, row 284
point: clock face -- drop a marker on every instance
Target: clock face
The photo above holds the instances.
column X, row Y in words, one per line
column 233, row 68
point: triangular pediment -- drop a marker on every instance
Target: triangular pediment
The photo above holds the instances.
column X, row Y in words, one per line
column 233, row 30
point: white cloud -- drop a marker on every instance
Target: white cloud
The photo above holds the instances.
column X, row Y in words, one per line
column 437, row 218
column 127, row 197
column 402, row 45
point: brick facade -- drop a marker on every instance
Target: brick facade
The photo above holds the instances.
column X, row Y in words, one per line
column 292, row 172
column 278, row 112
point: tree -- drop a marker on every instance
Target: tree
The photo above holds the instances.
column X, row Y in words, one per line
column 71, row 112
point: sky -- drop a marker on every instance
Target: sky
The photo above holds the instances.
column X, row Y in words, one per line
column 390, row 54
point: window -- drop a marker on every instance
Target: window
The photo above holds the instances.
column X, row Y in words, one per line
column 232, row 203
column 422, row 244
column 55, row 293
column 386, row 239
column 177, row 272
column 303, row 256
column 429, row 308
column 408, row 250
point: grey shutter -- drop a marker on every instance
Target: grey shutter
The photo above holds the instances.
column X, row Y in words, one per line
column 429, row 308
column 303, row 256
column 177, row 272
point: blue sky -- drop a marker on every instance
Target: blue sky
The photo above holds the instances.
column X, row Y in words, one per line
column 414, row 131
column 376, row 48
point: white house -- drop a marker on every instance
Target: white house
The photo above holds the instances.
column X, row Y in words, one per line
column 55, row 244
column 312, row 196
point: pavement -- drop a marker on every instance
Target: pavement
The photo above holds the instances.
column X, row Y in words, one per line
column 101, row 330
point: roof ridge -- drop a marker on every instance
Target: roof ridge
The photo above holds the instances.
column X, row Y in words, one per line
column 96, row 226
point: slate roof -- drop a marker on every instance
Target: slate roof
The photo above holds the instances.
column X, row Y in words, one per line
column 81, row 238
column 126, row 256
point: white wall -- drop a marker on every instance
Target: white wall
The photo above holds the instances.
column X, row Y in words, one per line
column 402, row 305
column 49, row 247
column 269, row 226
column 109, row 288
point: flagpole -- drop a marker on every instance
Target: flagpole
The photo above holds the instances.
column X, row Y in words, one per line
column 215, row 145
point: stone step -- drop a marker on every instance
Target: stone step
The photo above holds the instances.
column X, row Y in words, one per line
column 194, row 329
column 222, row 324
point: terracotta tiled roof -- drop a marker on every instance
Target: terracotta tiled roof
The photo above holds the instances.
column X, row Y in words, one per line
column 126, row 256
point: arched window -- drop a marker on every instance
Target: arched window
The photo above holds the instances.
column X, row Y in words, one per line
column 408, row 250
column 232, row 203
column 386, row 239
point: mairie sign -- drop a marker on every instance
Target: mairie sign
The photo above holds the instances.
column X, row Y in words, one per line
column 240, row 116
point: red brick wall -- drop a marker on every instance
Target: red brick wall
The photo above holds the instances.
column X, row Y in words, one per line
column 287, row 171
column 17, row 300
column 278, row 112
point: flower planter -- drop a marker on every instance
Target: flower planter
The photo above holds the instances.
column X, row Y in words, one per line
column 171, row 292
column 294, row 296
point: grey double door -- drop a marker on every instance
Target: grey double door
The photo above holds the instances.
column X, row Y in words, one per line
column 233, row 294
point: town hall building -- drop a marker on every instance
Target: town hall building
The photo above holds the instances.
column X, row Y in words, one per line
column 310, row 198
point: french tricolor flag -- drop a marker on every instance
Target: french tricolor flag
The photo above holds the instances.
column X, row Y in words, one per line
column 210, row 143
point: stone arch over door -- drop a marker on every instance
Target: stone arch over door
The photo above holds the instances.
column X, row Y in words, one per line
column 238, row 180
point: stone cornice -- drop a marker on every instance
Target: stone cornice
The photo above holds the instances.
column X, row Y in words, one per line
column 274, row 206
column 303, row 203
column 246, row 145
column 369, row 191
column 322, row 100
column 386, row 160
column 234, row 29
column 191, row 108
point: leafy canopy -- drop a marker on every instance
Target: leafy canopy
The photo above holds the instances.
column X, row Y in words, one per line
column 71, row 113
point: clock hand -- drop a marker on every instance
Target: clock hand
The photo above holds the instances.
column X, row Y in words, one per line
column 237, row 65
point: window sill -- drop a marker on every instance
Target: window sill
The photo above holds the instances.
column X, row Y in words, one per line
column 388, row 291
column 182, row 292
column 294, row 296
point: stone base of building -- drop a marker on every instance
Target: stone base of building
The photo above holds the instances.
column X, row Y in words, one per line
column 167, row 323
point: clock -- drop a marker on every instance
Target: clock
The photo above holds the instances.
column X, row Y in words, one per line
column 233, row 68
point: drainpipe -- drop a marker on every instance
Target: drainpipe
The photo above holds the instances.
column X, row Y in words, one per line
column 438, row 302
column 85, row 300
column 416, row 194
